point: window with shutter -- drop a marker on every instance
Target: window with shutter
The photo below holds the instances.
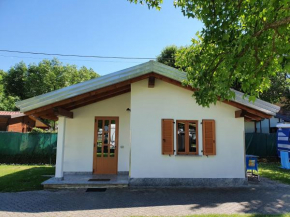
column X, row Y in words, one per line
column 167, row 137
column 208, row 136
column 187, row 137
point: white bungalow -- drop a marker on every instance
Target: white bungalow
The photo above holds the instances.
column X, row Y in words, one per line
column 142, row 124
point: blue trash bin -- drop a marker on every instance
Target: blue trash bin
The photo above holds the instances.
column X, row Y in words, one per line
column 252, row 164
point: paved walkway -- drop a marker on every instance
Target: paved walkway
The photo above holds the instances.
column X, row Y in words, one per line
column 146, row 202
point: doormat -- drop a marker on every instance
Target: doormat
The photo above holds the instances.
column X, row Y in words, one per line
column 96, row 189
column 99, row 180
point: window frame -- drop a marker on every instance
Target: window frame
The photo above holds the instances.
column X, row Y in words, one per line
column 187, row 152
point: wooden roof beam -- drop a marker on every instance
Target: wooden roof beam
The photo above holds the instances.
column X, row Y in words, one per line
column 254, row 117
column 248, row 109
column 62, row 112
column 240, row 114
column 75, row 106
column 88, row 94
column 243, row 113
column 106, row 94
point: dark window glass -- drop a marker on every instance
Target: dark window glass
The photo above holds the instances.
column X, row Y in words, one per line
column 192, row 137
column 100, row 138
column 181, row 137
column 105, row 153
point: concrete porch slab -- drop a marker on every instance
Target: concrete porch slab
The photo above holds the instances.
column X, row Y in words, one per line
column 82, row 181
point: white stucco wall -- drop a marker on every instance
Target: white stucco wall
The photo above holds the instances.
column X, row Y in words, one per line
column 150, row 105
column 79, row 135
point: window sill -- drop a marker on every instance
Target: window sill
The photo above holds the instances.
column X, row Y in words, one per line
column 188, row 155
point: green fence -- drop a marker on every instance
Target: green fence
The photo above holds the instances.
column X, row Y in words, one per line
column 28, row 148
column 261, row 144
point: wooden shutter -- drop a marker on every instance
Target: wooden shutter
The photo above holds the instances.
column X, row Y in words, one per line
column 167, row 140
column 208, row 137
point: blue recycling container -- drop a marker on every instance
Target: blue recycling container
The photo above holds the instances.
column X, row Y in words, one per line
column 283, row 144
column 252, row 162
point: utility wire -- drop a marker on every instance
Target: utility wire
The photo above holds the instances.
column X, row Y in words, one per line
column 39, row 58
column 76, row 55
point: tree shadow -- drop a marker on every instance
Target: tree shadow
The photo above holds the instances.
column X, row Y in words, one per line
column 235, row 200
column 26, row 179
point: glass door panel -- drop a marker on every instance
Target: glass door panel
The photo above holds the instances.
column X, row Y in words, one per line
column 112, row 138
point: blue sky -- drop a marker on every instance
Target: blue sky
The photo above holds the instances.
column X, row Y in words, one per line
column 90, row 27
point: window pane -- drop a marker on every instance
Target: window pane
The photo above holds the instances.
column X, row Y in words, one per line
column 106, row 127
column 181, row 137
column 105, row 153
column 192, row 137
column 112, row 151
column 106, row 138
column 99, row 150
column 100, row 138
column 112, row 138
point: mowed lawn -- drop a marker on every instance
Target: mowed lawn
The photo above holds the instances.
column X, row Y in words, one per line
column 15, row 178
column 238, row 215
column 274, row 172
column 23, row 177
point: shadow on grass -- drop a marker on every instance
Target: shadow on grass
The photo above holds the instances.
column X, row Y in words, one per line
column 25, row 179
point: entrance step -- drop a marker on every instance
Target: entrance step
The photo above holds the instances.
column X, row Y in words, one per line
column 87, row 181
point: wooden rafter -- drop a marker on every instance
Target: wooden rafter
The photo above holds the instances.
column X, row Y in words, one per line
column 106, row 89
column 98, row 99
column 247, row 109
column 88, row 94
column 240, row 114
column 48, row 111
column 253, row 117
column 243, row 113
column 63, row 112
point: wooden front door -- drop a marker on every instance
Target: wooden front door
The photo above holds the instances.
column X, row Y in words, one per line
column 106, row 145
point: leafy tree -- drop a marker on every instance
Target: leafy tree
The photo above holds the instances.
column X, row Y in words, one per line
column 48, row 75
column 277, row 93
column 168, row 56
column 14, row 81
column 242, row 41
column 7, row 103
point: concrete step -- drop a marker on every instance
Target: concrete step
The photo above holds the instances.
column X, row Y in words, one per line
column 82, row 181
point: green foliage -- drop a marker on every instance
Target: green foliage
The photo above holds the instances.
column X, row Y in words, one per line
column 278, row 90
column 22, row 82
column 168, row 55
column 38, row 130
column 151, row 3
column 7, row 103
column 243, row 41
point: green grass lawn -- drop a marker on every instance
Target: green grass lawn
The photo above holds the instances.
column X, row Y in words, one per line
column 23, row 177
column 236, row 215
column 274, row 172
column 15, row 178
